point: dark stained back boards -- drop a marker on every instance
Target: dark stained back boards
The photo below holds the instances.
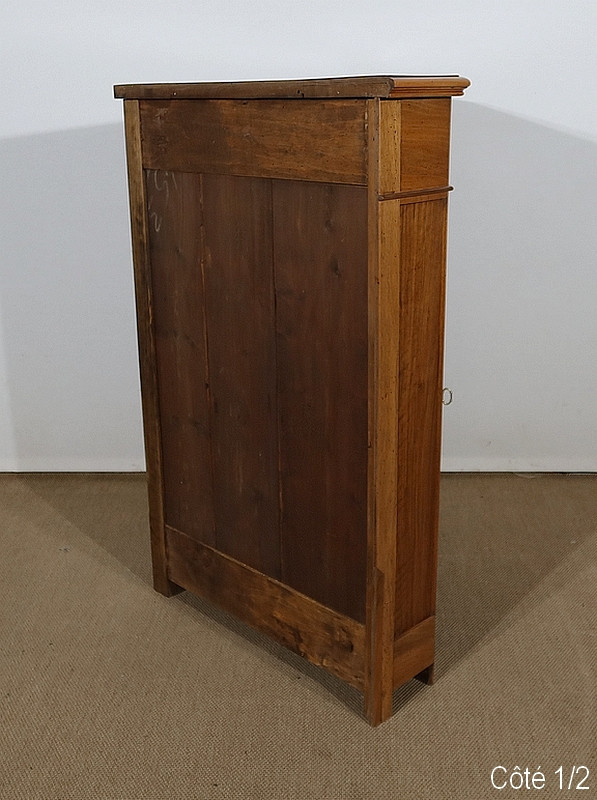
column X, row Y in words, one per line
column 289, row 253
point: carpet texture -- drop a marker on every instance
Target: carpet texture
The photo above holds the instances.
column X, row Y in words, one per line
column 109, row 691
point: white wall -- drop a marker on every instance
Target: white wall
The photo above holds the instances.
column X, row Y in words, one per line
column 521, row 333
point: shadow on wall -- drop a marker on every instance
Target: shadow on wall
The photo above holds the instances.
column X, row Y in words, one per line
column 522, row 284
column 69, row 391
column 521, row 331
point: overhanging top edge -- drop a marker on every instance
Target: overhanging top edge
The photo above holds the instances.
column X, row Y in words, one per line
column 382, row 86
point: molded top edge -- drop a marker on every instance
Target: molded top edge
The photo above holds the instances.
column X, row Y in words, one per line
column 383, row 86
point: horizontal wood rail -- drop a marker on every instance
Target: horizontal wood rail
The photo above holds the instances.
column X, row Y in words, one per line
column 322, row 636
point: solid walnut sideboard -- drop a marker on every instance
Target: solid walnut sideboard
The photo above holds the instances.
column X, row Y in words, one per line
column 289, row 243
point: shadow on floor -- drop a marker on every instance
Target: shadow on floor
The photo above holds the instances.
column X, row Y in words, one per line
column 500, row 536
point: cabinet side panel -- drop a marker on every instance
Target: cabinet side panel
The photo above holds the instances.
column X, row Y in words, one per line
column 320, row 250
column 422, row 282
column 238, row 267
column 173, row 201
column 425, row 143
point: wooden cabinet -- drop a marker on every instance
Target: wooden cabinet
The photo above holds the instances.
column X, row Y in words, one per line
column 289, row 249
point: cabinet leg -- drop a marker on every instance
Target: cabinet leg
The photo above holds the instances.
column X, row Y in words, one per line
column 161, row 581
column 427, row 675
column 378, row 705
column 167, row 587
column 379, row 678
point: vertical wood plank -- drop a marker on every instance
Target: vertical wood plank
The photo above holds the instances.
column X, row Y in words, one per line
column 422, row 290
column 384, row 249
column 320, row 245
column 174, row 209
column 390, row 134
column 239, row 285
column 146, row 344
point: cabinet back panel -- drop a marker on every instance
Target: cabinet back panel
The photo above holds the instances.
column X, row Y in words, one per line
column 240, row 307
column 320, row 247
column 174, row 203
column 260, row 315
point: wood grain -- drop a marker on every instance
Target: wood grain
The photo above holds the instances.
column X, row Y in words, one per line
column 259, row 139
column 414, row 652
column 424, row 144
column 240, row 308
column 422, row 289
column 147, row 348
column 384, row 341
column 390, row 134
column 317, row 633
column 320, row 246
column 359, row 86
column 174, row 205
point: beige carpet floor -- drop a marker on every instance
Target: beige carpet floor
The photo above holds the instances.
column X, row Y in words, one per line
column 109, row 691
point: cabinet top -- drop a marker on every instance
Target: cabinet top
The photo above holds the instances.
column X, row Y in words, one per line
column 384, row 86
